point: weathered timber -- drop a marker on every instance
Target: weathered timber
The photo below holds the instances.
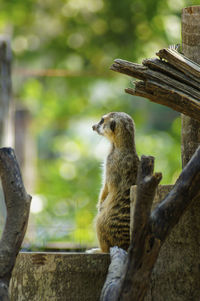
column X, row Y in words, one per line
column 176, row 82
column 144, row 247
column 17, row 204
column 112, row 286
column 165, row 95
column 151, row 229
column 180, row 62
column 129, row 68
column 191, row 48
column 167, row 90
column 148, row 74
column 164, row 67
column 58, row 276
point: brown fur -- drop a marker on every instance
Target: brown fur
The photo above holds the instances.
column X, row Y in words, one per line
column 113, row 218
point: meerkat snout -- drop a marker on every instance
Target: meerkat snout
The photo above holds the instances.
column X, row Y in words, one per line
column 98, row 127
column 106, row 126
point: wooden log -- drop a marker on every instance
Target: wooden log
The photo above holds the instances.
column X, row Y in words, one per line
column 18, row 205
column 165, row 95
column 145, row 73
column 43, row 276
column 191, row 47
column 180, row 62
column 129, row 68
column 164, row 67
column 162, row 88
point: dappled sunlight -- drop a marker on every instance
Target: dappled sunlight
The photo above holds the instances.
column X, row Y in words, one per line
column 173, row 28
column 68, row 171
column 38, row 203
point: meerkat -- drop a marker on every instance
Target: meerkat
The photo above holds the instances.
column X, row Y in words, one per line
column 120, row 173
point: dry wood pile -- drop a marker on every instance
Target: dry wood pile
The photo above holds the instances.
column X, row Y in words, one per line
column 172, row 80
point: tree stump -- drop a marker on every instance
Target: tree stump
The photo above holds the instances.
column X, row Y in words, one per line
column 175, row 276
column 58, row 276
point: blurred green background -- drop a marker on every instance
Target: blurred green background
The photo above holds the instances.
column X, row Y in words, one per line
column 62, row 51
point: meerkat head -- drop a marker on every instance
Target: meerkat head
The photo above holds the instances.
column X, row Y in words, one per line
column 115, row 125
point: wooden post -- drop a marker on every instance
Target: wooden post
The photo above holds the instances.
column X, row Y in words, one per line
column 191, row 49
column 5, row 84
column 5, row 101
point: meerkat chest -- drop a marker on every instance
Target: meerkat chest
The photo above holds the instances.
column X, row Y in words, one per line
column 113, row 169
column 112, row 162
column 121, row 169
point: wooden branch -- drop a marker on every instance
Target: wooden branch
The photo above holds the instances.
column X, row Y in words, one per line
column 165, row 68
column 174, row 83
column 164, row 95
column 143, row 248
column 18, row 205
column 112, row 284
column 151, row 229
column 129, row 68
column 186, row 190
column 180, row 62
column 145, row 73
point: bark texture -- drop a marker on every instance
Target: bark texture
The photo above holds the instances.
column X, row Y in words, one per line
column 191, row 49
column 17, row 204
column 58, row 276
column 150, row 230
column 173, row 83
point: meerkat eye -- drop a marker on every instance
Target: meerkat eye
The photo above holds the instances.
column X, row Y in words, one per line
column 101, row 121
column 113, row 125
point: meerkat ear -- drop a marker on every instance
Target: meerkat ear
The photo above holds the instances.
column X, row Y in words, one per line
column 113, row 125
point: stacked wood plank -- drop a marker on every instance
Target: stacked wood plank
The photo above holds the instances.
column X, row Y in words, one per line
column 172, row 80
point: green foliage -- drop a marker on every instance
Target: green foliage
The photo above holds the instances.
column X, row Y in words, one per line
column 84, row 37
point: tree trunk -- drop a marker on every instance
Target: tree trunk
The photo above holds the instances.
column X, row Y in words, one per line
column 5, row 85
column 176, row 274
column 191, row 49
